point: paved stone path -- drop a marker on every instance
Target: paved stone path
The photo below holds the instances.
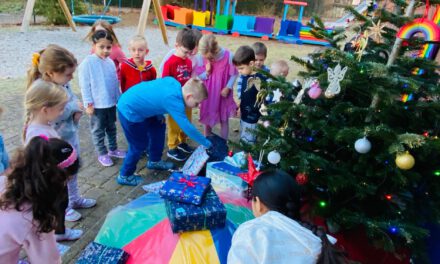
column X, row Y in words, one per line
column 95, row 181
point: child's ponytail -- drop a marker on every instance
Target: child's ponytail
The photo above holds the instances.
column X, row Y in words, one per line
column 27, row 119
column 51, row 59
column 33, row 72
column 38, row 179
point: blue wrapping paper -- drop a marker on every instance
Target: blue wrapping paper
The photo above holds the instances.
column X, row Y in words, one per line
column 188, row 217
column 98, row 253
column 185, row 189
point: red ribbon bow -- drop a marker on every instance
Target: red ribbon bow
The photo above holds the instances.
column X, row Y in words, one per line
column 252, row 173
column 188, row 183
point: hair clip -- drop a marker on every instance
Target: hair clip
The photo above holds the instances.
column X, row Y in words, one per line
column 35, row 59
column 44, row 137
column 69, row 161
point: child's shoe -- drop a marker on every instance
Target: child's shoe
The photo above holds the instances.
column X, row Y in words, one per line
column 105, row 160
column 132, row 180
column 120, row 154
column 185, row 148
column 160, row 165
column 72, row 215
column 69, row 235
column 83, row 203
column 176, row 154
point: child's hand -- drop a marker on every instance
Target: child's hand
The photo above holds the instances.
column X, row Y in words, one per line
column 80, row 105
column 238, row 112
column 225, row 92
column 77, row 116
column 90, row 110
column 208, row 68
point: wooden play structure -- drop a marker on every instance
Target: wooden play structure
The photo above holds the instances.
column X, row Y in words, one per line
column 92, row 17
column 141, row 25
column 294, row 31
column 226, row 21
column 30, row 7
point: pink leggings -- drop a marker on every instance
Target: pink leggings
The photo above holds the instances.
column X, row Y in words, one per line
column 224, row 129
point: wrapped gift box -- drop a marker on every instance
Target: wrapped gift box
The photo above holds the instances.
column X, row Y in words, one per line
column 98, row 253
column 195, row 163
column 189, row 217
column 184, row 188
column 224, row 178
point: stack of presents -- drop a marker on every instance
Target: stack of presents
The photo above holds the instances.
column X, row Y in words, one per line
column 190, row 198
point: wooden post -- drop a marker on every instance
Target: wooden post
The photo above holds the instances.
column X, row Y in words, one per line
column 27, row 15
column 143, row 18
column 160, row 20
column 67, row 14
column 398, row 43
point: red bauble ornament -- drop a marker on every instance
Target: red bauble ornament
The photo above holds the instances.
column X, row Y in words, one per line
column 302, row 178
column 230, row 153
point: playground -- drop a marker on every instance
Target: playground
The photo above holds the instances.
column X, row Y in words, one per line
column 95, row 181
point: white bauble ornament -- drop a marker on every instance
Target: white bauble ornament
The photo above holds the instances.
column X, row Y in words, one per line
column 274, row 157
column 266, row 123
column 362, row 145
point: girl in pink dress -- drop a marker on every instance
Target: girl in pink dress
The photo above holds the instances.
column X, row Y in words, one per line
column 214, row 66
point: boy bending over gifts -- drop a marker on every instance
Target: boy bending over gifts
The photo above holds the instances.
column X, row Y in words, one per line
column 141, row 110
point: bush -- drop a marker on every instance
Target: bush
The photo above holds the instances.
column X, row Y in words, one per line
column 52, row 11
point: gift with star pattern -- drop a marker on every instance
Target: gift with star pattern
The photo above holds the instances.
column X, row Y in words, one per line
column 189, row 217
column 185, row 188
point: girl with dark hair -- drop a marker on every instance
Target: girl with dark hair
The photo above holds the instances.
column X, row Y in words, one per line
column 33, row 197
column 276, row 235
column 99, row 85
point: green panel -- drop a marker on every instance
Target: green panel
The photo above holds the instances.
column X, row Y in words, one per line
column 223, row 22
column 238, row 214
column 123, row 225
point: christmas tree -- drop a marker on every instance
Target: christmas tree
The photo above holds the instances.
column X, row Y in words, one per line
column 361, row 135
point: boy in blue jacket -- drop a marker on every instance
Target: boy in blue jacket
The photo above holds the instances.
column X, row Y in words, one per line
column 141, row 111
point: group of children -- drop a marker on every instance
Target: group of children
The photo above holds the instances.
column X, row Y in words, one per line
column 198, row 72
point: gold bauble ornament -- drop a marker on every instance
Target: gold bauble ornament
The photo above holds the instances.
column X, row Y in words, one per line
column 405, row 161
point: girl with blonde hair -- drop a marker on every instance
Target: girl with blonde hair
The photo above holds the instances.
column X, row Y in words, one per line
column 56, row 64
column 215, row 67
column 44, row 102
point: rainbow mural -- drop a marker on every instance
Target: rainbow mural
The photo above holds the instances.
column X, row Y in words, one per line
column 431, row 32
column 428, row 28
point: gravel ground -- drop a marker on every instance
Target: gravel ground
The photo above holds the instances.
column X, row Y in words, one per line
column 17, row 47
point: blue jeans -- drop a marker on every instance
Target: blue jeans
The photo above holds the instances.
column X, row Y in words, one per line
column 103, row 122
column 148, row 134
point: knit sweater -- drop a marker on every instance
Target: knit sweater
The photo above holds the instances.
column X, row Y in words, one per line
column 130, row 74
column 99, row 82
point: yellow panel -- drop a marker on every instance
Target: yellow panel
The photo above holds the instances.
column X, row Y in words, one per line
column 195, row 247
column 199, row 19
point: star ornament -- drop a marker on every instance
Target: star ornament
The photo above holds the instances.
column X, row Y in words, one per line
column 376, row 31
column 252, row 173
column 277, row 95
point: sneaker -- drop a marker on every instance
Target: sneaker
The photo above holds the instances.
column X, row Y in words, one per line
column 132, row 180
column 72, row 215
column 105, row 160
column 176, row 154
column 120, row 154
column 185, row 148
column 160, row 165
column 83, row 203
column 69, row 235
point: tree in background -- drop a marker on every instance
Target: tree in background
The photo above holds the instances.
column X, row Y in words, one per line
column 361, row 136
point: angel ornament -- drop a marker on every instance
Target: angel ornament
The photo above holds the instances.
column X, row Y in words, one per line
column 335, row 76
